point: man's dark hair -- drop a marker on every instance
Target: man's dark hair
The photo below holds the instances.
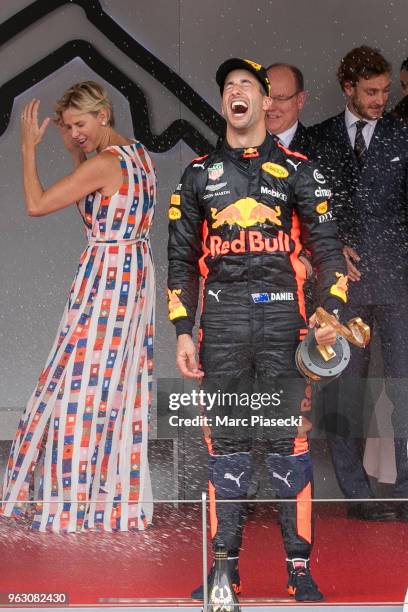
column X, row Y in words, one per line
column 404, row 65
column 362, row 63
column 298, row 75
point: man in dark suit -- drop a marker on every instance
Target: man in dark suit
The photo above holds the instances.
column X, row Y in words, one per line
column 364, row 154
column 401, row 110
column 288, row 98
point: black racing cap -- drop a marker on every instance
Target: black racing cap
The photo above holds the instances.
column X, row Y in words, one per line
column 237, row 63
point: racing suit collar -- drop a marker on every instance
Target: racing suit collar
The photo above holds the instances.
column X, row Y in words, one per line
column 262, row 149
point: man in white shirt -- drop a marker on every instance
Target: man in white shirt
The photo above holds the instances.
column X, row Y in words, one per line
column 288, row 98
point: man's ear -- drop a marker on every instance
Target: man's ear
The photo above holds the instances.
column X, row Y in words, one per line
column 348, row 88
column 301, row 99
column 266, row 103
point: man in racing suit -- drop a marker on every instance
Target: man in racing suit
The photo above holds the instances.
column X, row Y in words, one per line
column 236, row 219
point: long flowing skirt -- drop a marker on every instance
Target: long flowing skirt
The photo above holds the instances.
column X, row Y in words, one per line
column 85, row 429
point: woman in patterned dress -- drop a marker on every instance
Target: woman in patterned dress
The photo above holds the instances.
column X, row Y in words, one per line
column 85, row 428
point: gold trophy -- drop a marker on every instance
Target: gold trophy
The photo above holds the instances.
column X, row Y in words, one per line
column 319, row 362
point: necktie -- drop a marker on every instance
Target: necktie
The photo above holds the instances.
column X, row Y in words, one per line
column 360, row 148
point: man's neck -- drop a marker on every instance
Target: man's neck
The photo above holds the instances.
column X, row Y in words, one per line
column 354, row 112
column 357, row 115
column 243, row 140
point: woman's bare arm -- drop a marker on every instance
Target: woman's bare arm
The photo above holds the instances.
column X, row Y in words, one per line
column 91, row 175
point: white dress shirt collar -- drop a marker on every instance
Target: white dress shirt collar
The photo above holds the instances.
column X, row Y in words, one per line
column 351, row 120
column 286, row 137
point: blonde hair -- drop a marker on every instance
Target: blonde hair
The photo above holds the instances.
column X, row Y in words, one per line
column 88, row 97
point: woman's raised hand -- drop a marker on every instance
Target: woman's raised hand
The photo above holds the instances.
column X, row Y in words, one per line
column 31, row 131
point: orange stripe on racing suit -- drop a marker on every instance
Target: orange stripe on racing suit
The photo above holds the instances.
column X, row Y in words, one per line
column 298, row 267
column 204, row 273
column 213, row 512
column 206, row 251
column 304, row 497
column 290, row 152
column 206, row 430
column 304, row 513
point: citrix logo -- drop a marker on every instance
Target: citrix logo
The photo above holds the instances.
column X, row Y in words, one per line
column 323, row 193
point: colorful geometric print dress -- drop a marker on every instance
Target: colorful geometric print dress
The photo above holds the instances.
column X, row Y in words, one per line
column 85, row 428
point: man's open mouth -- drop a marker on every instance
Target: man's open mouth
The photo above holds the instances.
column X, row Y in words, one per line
column 239, row 108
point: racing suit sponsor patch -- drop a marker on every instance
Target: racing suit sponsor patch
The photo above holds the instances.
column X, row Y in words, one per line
column 246, row 213
column 174, row 214
column 326, row 217
column 273, row 193
column 176, row 308
column 277, row 296
column 215, row 194
column 318, row 177
column 275, row 170
column 175, row 199
column 322, row 208
column 294, row 164
column 199, row 159
column 250, row 153
column 215, row 171
column 251, row 242
column 289, row 473
column 215, row 187
column 323, row 193
column 340, row 288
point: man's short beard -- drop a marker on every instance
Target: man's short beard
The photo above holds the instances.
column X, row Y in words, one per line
column 360, row 110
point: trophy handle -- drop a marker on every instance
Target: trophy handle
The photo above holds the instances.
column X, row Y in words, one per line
column 325, row 350
column 355, row 331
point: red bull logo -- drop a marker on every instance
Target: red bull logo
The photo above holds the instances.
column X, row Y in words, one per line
column 250, row 153
column 251, row 241
column 246, row 212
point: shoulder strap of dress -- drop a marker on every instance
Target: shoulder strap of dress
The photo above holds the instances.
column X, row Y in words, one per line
column 144, row 157
column 120, row 154
column 115, row 150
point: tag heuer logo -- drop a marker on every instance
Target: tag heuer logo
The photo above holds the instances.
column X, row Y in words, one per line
column 215, row 171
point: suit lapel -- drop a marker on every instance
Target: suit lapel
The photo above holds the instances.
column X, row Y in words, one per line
column 346, row 147
column 299, row 139
column 346, row 154
column 376, row 148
